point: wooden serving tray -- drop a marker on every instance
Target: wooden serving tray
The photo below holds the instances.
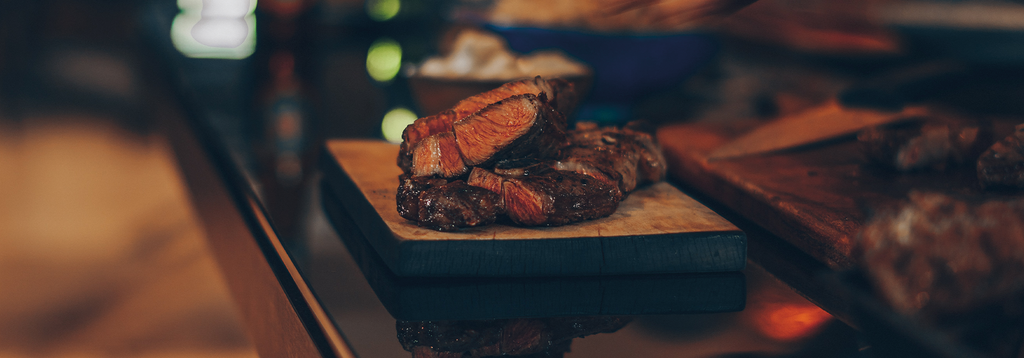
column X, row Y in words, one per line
column 815, row 197
column 485, row 298
column 657, row 229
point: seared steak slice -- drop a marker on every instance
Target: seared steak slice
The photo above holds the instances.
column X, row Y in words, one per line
column 606, row 164
column 1002, row 165
column 558, row 197
column 457, row 204
column 521, row 126
column 484, row 178
column 422, row 128
column 536, row 86
column 558, row 93
column 438, row 155
column 408, row 195
column 628, row 157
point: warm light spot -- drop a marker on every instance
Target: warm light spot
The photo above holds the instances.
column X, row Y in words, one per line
column 215, row 28
column 383, row 10
column 791, row 321
column 395, row 122
column 384, row 59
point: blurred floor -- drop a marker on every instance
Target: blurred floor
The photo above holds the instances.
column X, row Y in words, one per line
column 100, row 251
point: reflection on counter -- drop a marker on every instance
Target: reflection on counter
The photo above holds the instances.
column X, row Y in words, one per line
column 522, row 337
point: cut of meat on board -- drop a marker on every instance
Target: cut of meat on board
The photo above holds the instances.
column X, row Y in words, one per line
column 586, row 180
column 517, row 127
column 559, row 94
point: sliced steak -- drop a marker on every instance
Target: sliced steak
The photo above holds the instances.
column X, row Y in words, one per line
column 521, row 126
column 422, row 128
column 438, row 155
column 630, row 158
column 557, row 93
column 1002, row 165
column 558, row 198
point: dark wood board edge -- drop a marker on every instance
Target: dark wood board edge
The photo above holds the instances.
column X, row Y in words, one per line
column 592, row 256
column 704, row 252
column 423, row 299
column 692, row 169
column 782, row 260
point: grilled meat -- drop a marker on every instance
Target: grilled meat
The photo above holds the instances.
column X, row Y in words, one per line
column 541, row 195
column 925, row 143
column 558, row 197
column 438, row 155
column 1002, row 165
column 954, row 264
column 423, row 128
column 522, row 126
column 513, row 143
column 558, row 94
column 524, row 337
column 408, row 195
column 457, row 204
column 629, row 157
column 587, row 181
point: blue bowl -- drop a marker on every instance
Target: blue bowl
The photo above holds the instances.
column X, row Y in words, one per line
column 626, row 67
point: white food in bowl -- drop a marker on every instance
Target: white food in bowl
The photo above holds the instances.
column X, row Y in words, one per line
column 478, row 55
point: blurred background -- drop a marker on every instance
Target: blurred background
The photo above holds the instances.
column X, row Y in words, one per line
column 101, row 253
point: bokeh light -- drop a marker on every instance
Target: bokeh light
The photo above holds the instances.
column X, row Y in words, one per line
column 384, row 59
column 791, row 321
column 223, row 29
column 383, row 10
column 395, row 122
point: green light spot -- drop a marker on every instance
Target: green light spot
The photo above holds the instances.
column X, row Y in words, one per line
column 384, row 59
column 383, row 10
column 395, row 122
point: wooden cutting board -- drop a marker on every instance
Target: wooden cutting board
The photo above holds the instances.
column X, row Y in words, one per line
column 657, row 229
column 816, row 197
column 473, row 298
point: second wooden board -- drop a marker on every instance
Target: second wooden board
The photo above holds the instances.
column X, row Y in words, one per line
column 657, row 229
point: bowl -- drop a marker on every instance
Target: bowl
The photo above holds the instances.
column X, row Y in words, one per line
column 626, row 67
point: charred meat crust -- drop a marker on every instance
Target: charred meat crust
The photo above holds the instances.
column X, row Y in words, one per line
column 457, row 204
column 408, row 195
column 631, row 158
column 543, row 196
column 1002, row 165
column 557, row 198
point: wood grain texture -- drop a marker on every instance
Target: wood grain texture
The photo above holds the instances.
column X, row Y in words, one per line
column 815, row 197
column 462, row 298
column 816, row 124
column 657, row 229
